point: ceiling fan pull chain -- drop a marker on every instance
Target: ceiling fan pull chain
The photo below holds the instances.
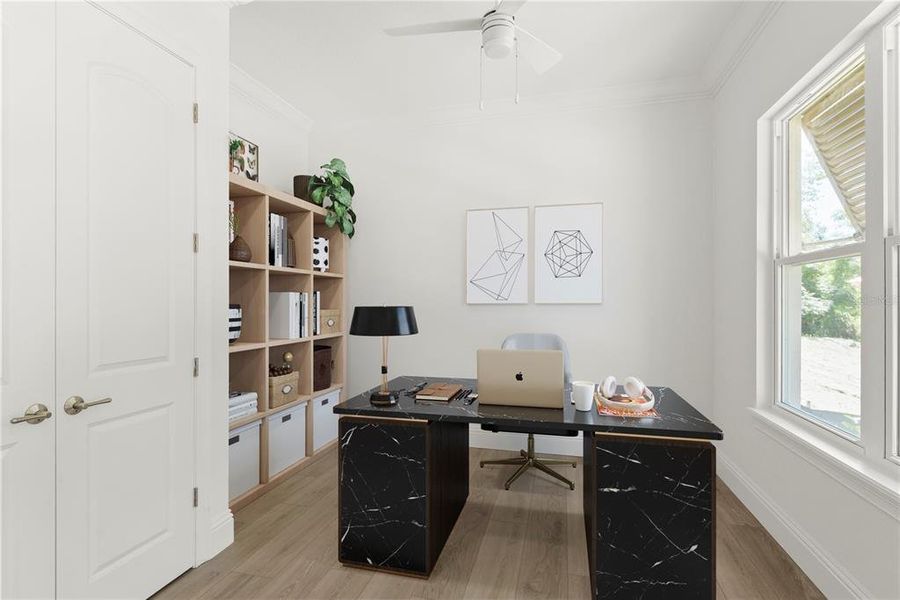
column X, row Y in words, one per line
column 481, row 78
column 517, row 69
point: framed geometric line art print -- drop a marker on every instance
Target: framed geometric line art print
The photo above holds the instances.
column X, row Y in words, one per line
column 497, row 256
column 568, row 254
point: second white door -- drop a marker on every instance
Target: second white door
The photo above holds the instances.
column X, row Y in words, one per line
column 125, row 198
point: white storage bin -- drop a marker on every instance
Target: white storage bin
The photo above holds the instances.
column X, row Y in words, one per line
column 243, row 459
column 287, row 438
column 325, row 422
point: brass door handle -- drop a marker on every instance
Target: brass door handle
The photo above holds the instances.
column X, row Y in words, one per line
column 34, row 414
column 76, row 404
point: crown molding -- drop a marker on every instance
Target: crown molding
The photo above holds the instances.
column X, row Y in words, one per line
column 265, row 99
column 738, row 38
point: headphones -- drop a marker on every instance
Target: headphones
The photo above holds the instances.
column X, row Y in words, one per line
column 634, row 388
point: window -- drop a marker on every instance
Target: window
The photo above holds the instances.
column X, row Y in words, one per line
column 819, row 260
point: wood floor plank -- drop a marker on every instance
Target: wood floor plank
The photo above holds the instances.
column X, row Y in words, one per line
column 527, row 542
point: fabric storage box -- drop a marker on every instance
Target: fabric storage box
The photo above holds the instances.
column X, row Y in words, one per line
column 283, row 389
column 243, row 459
column 322, row 365
column 325, row 422
column 287, row 438
column 331, row 321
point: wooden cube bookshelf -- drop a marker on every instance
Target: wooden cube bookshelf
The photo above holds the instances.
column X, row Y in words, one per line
column 249, row 286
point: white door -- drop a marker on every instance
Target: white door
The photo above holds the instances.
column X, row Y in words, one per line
column 26, row 296
column 125, row 194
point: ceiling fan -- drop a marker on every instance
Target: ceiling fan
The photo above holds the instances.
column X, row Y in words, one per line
column 500, row 37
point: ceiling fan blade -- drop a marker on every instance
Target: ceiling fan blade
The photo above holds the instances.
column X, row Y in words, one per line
column 439, row 27
column 539, row 54
column 509, row 7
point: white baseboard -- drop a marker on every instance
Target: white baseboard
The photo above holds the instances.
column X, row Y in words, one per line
column 221, row 535
column 543, row 444
column 820, row 566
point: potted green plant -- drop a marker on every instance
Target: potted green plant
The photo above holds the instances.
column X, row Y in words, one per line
column 333, row 191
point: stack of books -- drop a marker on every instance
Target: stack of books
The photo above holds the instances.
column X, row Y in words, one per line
column 241, row 404
column 288, row 315
column 281, row 245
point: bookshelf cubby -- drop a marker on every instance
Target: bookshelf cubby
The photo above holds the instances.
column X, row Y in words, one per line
column 249, row 286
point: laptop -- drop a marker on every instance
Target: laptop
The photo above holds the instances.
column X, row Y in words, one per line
column 521, row 378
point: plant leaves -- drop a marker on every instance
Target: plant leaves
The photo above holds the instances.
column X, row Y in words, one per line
column 349, row 186
column 352, row 214
column 318, row 194
column 341, row 196
column 330, row 219
column 335, row 180
column 336, row 164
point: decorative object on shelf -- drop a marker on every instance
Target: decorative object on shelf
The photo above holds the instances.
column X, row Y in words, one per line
column 497, row 256
column 235, row 314
column 283, row 389
column 238, row 249
column 301, row 186
column 320, row 253
column 243, row 157
column 384, row 321
column 568, row 264
column 323, row 365
column 331, row 321
column 334, row 186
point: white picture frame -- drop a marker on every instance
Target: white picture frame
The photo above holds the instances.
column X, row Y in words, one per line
column 568, row 254
column 497, row 256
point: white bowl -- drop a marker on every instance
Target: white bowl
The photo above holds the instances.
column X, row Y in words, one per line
column 635, row 407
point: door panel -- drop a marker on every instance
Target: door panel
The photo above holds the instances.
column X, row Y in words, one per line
column 125, row 295
column 27, row 552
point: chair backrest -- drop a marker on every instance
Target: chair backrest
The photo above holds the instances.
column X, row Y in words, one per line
column 541, row 341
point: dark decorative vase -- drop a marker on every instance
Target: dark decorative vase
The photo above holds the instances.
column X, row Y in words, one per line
column 239, row 250
column 301, row 186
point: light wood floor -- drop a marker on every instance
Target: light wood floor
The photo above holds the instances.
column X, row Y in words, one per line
column 527, row 543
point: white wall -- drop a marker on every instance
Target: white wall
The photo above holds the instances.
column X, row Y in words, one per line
column 281, row 131
column 847, row 545
column 648, row 164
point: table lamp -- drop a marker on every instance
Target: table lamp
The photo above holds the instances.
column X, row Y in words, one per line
column 384, row 321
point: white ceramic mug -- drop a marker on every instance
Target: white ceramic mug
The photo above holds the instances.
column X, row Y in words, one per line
column 583, row 395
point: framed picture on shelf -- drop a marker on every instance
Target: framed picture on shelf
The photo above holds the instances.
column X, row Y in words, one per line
column 497, row 256
column 568, row 257
column 243, row 157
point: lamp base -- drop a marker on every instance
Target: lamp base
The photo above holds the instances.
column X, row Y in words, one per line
column 380, row 398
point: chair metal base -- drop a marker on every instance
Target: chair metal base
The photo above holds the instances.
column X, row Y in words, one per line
column 528, row 460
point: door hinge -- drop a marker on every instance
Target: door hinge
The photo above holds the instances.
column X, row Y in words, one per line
column 196, row 366
column 196, row 497
column 196, row 113
column 196, row 243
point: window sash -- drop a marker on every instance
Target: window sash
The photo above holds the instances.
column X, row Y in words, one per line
column 786, row 360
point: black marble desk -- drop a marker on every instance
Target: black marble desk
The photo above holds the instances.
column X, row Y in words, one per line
column 649, row 487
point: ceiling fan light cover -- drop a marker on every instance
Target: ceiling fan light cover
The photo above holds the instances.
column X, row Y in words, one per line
column 498, row 35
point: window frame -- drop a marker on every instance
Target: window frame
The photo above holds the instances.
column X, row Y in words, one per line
column 891, row 32
column 788, row 250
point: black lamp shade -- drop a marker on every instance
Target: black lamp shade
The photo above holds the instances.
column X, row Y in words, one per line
column 383, row 320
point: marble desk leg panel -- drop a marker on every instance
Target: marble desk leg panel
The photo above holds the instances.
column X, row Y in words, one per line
column 402, row 485
column 649, row 507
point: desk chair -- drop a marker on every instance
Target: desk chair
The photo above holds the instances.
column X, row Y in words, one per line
column 527, row 459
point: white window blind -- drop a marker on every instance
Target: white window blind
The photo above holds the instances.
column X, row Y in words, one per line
column 836, row 124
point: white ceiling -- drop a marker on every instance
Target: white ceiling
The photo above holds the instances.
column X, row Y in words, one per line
column 333, row 61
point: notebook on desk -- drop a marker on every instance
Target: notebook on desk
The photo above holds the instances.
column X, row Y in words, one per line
column 533, row 378
column 439, row 392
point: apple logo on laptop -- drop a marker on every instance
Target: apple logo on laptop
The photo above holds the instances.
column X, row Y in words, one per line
column 520, row 376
